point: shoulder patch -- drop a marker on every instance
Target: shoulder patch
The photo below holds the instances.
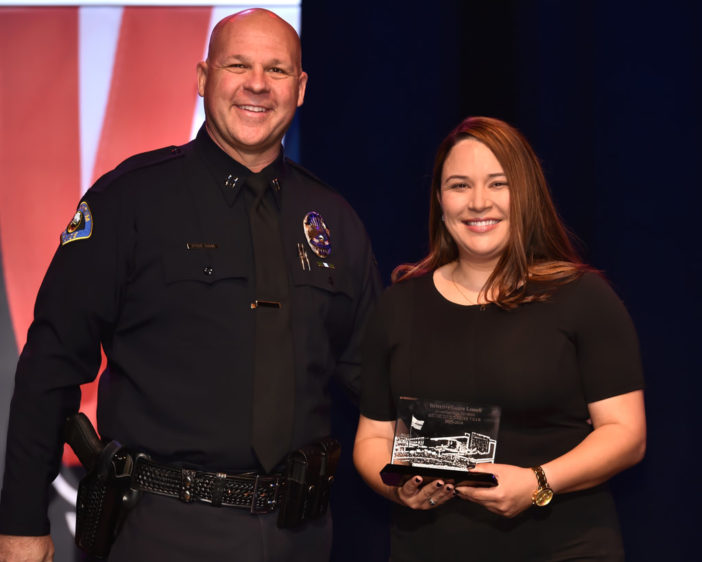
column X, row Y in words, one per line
column 80, row 227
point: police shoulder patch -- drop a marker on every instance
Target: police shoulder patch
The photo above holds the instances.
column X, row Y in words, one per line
column 80, row 227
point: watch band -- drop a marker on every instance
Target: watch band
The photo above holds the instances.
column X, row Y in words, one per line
column 543, row 495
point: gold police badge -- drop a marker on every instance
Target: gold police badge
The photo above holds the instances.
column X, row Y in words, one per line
column 317, row 234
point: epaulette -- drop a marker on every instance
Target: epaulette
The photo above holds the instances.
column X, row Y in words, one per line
column 142, row 160
column 150, row 158
column 309, row 174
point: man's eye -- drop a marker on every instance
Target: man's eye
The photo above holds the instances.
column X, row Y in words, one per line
column 276, row 70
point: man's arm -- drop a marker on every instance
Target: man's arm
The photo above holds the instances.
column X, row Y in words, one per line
column 26, row 549
column 348, row 369
column 75, row 307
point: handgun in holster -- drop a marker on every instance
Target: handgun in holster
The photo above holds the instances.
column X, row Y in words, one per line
column 309, row 475
column 104, row 493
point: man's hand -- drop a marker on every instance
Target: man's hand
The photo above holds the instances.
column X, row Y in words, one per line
column 26, row 549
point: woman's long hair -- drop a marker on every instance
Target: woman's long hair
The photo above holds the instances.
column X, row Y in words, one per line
column 538, row 251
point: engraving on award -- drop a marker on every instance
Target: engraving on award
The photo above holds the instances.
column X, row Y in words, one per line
column 439, row 439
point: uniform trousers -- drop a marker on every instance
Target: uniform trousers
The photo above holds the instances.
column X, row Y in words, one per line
column 162, row 528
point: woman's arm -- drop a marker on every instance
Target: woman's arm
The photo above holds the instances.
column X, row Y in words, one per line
column 373, row 450
column 617, row 441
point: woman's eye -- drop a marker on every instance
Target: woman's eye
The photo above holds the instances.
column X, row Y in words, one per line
column 499, row 184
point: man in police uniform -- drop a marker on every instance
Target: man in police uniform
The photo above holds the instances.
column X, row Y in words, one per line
column 157, row 266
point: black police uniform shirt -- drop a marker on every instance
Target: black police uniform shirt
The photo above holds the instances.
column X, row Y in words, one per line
column 158, row 269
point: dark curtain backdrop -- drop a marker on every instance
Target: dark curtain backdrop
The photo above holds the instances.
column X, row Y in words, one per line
column 608, row 94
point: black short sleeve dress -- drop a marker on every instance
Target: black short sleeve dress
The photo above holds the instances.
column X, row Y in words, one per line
column 542, row 363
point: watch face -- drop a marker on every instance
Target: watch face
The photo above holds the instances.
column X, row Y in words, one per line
column 542, row 496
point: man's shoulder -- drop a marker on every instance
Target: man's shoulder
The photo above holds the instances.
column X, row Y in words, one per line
column 309, row 187
column 159, row 159
column 152, row 158
column 310, row 181
column 306, row 175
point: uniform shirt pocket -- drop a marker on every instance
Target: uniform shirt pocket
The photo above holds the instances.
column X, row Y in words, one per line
column 332, row 280
column 203, row 265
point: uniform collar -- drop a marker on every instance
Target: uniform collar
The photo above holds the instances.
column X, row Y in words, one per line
column 229, row 174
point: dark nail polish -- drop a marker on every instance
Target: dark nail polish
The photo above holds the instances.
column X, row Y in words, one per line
column 417, row 479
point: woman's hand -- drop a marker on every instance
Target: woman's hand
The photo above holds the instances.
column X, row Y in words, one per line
column 618, row 440
column 511, row 496
column 428, row 496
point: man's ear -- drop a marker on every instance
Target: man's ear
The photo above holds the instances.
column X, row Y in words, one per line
column 201, row 77
column 302, row 86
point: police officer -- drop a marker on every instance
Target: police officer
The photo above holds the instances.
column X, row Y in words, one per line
column 162, row 265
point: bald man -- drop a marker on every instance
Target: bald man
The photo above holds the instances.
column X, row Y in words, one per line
column 166, row 249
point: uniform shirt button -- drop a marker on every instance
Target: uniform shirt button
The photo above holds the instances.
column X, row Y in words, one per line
column 208, row 270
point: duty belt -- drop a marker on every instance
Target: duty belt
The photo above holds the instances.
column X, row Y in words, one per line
column 257, row 493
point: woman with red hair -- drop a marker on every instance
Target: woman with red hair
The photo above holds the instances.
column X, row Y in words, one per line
column 502, row 312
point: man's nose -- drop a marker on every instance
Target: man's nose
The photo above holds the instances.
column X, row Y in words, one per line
column 257, row 80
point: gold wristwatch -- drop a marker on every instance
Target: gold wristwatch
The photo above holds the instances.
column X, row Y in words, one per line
column 543, row 494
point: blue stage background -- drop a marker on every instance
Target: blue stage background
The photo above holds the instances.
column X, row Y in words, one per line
column 609, row 94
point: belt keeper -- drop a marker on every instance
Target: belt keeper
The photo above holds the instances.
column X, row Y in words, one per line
column 187, row 483
column 218, row 489
column 254, row 496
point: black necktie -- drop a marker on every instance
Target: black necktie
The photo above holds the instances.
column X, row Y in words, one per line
column 274, row 369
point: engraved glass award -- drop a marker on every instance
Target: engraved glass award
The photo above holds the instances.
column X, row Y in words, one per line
column 437, row 439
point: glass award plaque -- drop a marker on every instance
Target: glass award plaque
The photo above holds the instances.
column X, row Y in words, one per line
column 437, row 439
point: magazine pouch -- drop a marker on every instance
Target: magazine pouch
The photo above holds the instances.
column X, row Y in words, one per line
column 330, row 453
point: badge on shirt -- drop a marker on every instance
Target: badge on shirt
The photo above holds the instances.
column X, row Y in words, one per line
column 80, row 227
column 317, row 234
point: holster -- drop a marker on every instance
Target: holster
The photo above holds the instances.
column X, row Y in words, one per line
column 104, row 493
column 309, row 473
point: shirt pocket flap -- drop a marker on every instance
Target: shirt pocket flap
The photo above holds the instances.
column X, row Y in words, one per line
column 330, row 279
column 203, row 266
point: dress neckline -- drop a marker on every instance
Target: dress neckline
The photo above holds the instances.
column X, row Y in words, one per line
column 441, row 297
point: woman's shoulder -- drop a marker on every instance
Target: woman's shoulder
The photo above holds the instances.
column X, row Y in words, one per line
column 590, row 286
column 400, row 298
column 405, row 289
column 591, row 299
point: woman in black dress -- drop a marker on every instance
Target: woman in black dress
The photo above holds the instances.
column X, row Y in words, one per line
column 503, row 313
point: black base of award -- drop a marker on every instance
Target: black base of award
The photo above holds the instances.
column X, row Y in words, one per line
column 398, row 474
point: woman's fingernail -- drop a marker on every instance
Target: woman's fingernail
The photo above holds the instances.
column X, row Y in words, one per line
column 417, row 479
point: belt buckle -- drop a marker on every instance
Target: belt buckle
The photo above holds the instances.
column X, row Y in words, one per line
column 271, row 502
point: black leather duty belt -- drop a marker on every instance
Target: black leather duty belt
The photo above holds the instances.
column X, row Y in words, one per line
column 257, row 493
